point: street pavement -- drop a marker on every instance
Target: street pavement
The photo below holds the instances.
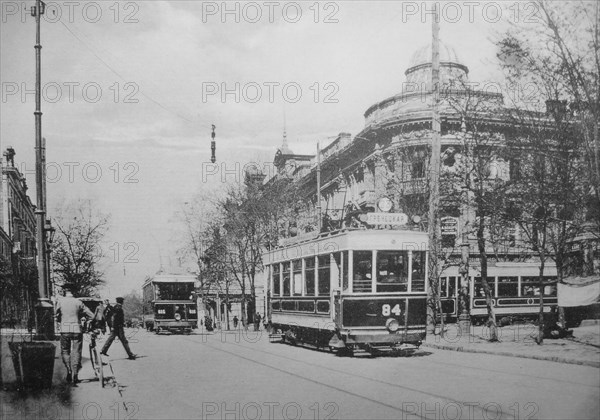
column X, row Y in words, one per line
column 241, row 375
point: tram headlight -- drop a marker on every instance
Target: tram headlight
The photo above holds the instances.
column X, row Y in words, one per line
column 177, row 317
column 392, row 324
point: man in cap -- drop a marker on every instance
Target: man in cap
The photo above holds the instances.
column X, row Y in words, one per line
column 117, row 330
column 69, row 312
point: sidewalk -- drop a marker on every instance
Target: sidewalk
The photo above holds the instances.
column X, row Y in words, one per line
column 63, row 400
column 519, row 341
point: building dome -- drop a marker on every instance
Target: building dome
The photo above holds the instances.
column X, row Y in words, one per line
column 423, row 55
column 451, row 67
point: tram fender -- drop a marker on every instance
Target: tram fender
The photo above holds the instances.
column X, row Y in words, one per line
column 336, row 342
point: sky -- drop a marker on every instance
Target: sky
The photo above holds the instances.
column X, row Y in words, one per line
column 130, row 90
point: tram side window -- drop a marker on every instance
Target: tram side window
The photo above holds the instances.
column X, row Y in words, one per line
column 362, row 262
column 297, row 276
column 418, row 271
column 550, row 289
column 309, row 279
column 286, row 279
column 324, row 275
column 337, row 270
column 276, row 283
column 478, row 287
column 508, row 286
column 346, row 272
column 392, row 271
column 530, row 286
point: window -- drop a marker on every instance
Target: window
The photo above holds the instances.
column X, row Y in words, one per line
column 337, row 270
column 478, row 287
column 297, row 276
column 392, row 271
column 530, row 286
column 452, row 286
column 508, row 286
column 324, row 275
column 345, row 272
column 444, row 287
column 276, row 279
column 419, row 264
column 363, row 260
column 309, row 276
column 286, row 279
column 417, row 169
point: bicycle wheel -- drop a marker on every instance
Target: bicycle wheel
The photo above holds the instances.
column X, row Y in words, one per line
column 93, row 360
column 97, row 363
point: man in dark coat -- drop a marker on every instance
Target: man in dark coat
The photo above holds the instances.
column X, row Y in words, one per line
column 117, row 322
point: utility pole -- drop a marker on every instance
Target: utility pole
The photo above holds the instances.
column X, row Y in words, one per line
column 434, row 181
column 320, row 218
column 44, row 308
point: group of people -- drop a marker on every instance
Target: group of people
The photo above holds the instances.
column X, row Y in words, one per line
column 69, row 313
column 257, row 319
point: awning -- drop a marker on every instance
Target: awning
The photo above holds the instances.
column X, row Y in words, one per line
column 579, row 291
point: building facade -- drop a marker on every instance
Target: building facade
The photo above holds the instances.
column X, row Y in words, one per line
column 18, row 229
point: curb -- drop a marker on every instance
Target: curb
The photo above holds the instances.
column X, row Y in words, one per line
column 509, row 354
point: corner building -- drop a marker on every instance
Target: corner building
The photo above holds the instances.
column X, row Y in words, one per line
column 385, row 167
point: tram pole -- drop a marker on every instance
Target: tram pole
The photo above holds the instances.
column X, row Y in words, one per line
column 433, row 306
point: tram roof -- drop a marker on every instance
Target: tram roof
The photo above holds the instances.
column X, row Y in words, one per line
column 360, row 239
column 171, row 278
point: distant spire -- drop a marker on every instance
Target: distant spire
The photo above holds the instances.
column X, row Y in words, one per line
column 285, row 149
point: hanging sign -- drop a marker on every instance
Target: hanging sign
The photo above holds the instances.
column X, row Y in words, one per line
column 449, row 225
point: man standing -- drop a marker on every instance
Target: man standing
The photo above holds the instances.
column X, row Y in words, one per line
column 68, row 312
column 117, row 329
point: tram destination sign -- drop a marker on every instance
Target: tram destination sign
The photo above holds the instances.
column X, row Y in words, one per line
column 387, row 219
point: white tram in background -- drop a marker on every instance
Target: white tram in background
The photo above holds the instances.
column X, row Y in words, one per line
column 350, row 290
column 515, row 291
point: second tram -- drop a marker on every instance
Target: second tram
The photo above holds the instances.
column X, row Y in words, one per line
column 168, row 303
column 350, row 290
column 515, row 291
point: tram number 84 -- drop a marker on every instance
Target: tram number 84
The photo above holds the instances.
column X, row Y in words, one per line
column 387, row 310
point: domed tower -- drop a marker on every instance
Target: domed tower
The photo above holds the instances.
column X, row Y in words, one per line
column 452, row 70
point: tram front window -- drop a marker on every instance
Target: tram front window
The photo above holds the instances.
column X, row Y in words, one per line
column 392, row 271
column 418, row 271
column 361, row 281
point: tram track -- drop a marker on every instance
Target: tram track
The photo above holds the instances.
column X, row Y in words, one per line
column 445, row 364
column 446, row 399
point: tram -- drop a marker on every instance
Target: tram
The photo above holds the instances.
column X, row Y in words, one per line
column 168, row 304
column 515, row 291
column 350, row 290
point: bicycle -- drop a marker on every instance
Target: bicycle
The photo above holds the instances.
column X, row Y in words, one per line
column 96, row 359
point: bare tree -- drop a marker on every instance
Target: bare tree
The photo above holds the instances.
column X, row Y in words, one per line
column 76, row 251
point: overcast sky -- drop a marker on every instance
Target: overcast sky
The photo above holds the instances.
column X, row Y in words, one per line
column 131, row 90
